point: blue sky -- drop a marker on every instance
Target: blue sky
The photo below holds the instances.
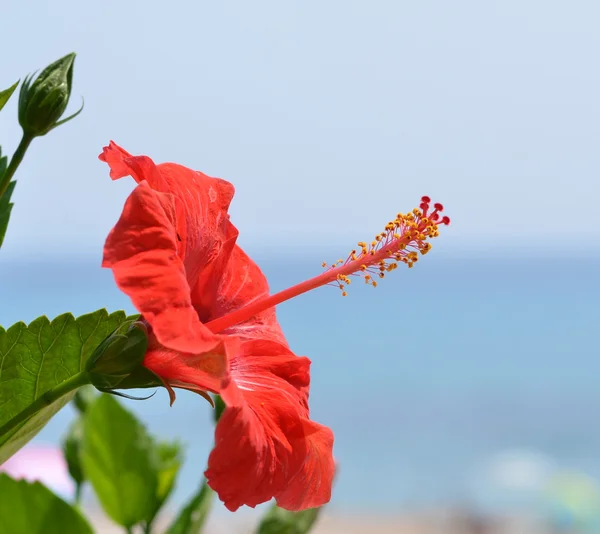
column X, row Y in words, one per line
column 328, row 117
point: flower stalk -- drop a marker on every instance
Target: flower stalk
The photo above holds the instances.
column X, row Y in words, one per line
column 15, row 161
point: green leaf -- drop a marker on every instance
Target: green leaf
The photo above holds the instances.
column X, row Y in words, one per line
column 37, row 357
column 192, row 518
column 7, row 93
column 169, row 462
column 280, row 521
column 27, row 508
column 83, row 398
column 5, row 204
column 120, row 461
column 219, row 408
column 3, row 163
column 71, row 452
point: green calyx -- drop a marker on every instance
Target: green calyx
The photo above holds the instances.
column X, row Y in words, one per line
column 119, row 358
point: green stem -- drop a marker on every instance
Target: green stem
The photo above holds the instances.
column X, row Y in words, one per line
column 78, row 488
column 46, row 399
column 15, row 161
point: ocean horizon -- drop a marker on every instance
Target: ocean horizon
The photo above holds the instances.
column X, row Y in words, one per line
column 426, row 380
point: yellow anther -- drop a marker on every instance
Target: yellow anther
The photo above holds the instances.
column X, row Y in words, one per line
column 404, row 239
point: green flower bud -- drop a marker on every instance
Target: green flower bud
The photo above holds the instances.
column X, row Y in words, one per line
column 118, row 356
column 42, row 103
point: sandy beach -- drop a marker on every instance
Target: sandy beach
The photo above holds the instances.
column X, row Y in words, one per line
column 435, row 522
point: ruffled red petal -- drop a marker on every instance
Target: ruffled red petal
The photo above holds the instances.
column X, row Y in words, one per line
column 264, row 440
column 311, row 486
column 205, row 234
column 141, row 250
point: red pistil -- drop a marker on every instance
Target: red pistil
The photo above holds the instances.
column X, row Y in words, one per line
column 401, row 241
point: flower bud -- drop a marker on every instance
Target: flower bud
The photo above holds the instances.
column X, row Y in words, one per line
column 118, row 356
column 42, row 103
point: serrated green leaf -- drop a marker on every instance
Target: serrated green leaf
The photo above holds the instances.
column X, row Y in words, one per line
column 120, row 461
column 5, row 205
column 3, row 163
column 193, row 516
column 37, row 357
column 31, row 508
column 280, row 521
column 6, row 94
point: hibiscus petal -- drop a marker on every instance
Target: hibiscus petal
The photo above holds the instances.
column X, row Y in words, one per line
column 205, row 233
column 122, row 164
column 141, row 250
column 197, row 372
column 241, row 283
column 264, row 439
column 311, row 486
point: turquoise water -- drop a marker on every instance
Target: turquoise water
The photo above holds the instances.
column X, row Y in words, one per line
column 423, row 379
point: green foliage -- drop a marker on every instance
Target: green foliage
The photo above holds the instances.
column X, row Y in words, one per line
column 83, row 398
column 5, row 204
column 131, row 473
column 119, row 461
column 170, row 459
column 71, row 452
column 37, row 357
column 27, row 508
column 219, row 408
column 6, row 94
column 193, row 516
column 280, row 521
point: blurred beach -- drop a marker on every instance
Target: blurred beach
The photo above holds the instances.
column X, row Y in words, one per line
column 432, row 522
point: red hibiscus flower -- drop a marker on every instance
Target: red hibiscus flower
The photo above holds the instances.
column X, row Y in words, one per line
column 213, row 325
column 173, row 253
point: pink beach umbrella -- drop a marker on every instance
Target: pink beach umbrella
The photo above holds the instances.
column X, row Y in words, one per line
column 43, row 463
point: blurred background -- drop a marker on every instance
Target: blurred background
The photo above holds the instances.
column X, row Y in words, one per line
column 463, row 393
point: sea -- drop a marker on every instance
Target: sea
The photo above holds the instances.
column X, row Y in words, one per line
column 465, row 381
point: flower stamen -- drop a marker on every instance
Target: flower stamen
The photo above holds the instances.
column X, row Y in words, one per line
column 401, row 242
